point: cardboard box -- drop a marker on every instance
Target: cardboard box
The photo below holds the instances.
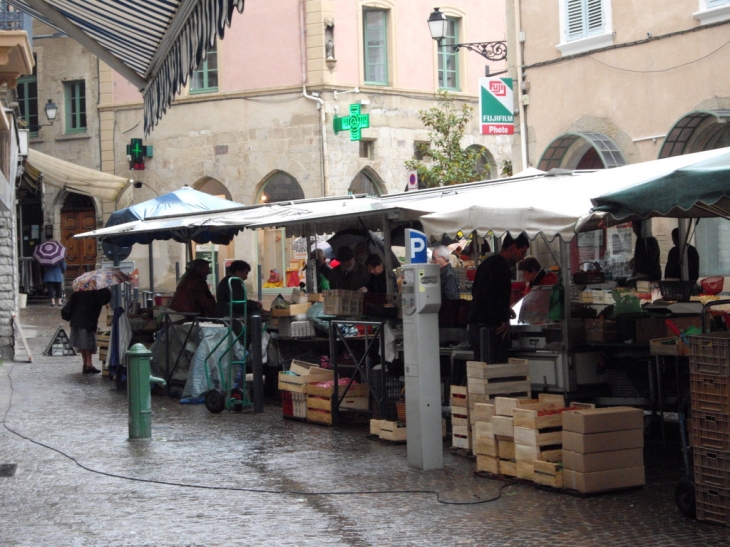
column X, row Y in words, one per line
column 598, row 420
column 603, row 442
column 293, row 309
column 604, row 480
column 598, row 331
column 603, row 461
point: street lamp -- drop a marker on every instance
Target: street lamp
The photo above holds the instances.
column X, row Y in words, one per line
column 51, row 111
column 138, row 184
column 493, row 51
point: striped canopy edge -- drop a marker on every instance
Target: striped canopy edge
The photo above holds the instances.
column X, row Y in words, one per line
column 160, row 48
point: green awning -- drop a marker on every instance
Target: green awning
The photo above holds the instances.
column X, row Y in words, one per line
column 698, row 190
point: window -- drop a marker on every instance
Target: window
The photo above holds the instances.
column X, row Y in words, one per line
column 448, row 58
column 205, row 77
column 27, row 92
column 421, row 149
column 585, row 25
column 275, row 250
column 585, row 18
column 366, row 149
column 75, row 106
column 713, row 11
column 376, row 46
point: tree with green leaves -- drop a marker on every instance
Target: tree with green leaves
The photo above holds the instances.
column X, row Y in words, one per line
column 450, row 163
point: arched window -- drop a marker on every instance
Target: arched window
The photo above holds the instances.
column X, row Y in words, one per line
column 280, row 186
column 366, row 182
column 277, row 253
column 485, row 166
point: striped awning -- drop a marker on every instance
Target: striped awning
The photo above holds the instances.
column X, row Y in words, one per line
column 155, row 44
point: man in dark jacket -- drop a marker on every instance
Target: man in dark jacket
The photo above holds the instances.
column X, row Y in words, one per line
column 350, row 275
column 491, row 292
column 240, row 269
column 85, row 310
column 673, row 269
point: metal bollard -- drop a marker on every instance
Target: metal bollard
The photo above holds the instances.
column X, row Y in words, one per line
column 138, row 391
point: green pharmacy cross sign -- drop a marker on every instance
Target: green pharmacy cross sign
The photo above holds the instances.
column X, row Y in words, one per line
column 352, row 123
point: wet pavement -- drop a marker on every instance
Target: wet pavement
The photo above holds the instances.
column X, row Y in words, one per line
column 257, row 479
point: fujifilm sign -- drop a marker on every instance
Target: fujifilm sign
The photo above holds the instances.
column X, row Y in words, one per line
column 495, row 106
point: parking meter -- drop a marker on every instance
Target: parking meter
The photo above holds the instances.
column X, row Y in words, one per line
column 421, row 298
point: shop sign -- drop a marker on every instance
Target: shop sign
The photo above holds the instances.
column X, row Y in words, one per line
column 496, row 103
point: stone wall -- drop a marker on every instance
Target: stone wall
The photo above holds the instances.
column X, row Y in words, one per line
column 8, row 283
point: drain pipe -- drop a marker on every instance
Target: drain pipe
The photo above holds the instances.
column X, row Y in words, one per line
column 319, row 100
column 520, row 95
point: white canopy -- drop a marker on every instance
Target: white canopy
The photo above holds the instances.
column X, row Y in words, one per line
column 551, row 205
column 82, row 180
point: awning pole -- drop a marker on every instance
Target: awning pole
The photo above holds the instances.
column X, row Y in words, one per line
column 152, row 272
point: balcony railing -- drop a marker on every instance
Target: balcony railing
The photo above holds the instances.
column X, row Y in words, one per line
column 16, row 20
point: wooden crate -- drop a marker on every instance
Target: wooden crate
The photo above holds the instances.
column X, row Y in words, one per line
column 506, row 449
column 293, row 309
column 316, row 402
column 483, row 430
column 485, row 447
column 488, row 464
column 503, row 426
column 538, row 437
column 548, row 474
column 533, row 453
column 508, row 467
column 458, row 396
column 460, row 416
column 525, row 470
column 393, row 431
column 375, row 426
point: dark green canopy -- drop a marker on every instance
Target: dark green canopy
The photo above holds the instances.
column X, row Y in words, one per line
column 698, row 190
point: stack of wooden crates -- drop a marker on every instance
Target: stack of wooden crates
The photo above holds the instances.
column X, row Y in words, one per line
column 709, row 361
column 484, row 384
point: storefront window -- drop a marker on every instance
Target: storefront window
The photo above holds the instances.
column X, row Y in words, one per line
column 276, row 253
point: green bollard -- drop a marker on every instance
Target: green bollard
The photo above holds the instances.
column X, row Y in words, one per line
column 138, row 390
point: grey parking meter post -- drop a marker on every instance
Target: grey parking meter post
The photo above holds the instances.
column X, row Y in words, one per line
column 257, row 365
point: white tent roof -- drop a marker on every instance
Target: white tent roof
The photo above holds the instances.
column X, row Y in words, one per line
column 551, row 205
column 82, row 180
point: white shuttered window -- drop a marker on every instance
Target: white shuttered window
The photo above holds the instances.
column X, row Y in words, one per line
column 584, row 18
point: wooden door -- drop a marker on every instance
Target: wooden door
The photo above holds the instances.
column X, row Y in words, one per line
column 80, row 253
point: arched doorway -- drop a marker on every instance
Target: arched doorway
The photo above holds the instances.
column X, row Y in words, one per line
column 366, row 182
column 78, row 215
column 277, row 253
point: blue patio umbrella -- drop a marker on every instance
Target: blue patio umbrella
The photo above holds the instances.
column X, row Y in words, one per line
column 185, row 201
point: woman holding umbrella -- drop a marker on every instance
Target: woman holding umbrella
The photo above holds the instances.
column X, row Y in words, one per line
column 50, row 255
column 84, row 307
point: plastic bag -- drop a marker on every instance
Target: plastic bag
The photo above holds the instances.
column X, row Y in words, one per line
column 557, row 303
column 280, row 303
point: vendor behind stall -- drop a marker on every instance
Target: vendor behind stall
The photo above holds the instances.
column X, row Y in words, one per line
column 378, row 276
column 491, row 292
column 240, row 269
column 646, row 255
column 534, row 274
column 349, row 275
column 673, row 269
column 192, row 294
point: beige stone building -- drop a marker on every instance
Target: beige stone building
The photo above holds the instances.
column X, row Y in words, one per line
column 255, row 122
column 605, row 83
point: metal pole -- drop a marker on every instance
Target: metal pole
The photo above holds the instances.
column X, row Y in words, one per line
column 152, row 270
column 257, row 365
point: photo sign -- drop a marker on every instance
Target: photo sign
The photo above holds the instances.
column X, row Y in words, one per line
column 496, row 104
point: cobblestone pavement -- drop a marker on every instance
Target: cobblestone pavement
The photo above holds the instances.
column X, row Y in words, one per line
column 226, row 479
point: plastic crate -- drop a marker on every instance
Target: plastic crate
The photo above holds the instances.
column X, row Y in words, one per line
column 711, row 430
column 710, row 393
column 712, row 467
column 710, row 354
column 287, row 406
column 713, row 504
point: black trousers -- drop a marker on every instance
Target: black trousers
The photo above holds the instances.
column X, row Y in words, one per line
column 495, row 350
